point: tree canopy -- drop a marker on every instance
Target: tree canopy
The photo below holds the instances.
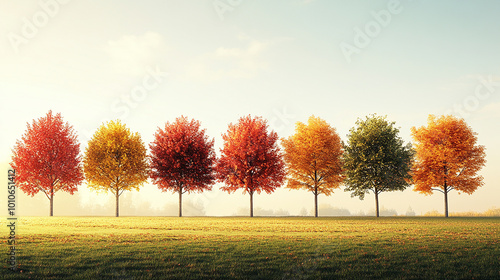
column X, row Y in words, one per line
column 251, row 158
column 313, row 158
column 115, row 160
column 182, row 158
column 47, row 158
column 376, row 159
column 448, row 157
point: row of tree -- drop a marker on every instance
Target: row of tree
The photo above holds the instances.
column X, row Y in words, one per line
column 445, row 156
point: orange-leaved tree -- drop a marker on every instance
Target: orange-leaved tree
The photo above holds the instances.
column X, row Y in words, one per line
column 448, row 157
column 182, row 158
column 115, row 160
column 251, row 158
column 48, row 158
column 313, row 158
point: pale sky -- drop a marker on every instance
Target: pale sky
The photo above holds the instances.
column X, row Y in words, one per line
column 148, row 62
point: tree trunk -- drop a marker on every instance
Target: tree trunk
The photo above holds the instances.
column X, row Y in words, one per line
column 251, row 204
column 316, row 204
column 376, row 203
column 117, row 203
column 51, row 203
column 445, row 191
column 180, row 202
column 445, row 201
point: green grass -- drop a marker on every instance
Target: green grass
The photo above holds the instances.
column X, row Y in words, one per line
column 255, row 248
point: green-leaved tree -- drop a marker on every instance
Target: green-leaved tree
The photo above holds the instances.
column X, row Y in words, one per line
column 376, row 159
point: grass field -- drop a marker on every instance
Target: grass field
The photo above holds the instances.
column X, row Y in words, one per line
column 255, row 248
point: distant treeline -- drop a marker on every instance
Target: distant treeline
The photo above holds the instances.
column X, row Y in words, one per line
column 493, row 212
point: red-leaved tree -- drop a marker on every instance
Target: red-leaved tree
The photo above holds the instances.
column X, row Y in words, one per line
column 47, row 158
column 251, row 159
column 182, row 158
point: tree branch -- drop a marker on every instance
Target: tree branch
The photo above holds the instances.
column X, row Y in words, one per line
column 43, row 190
column 434, row 189
column 461, row 171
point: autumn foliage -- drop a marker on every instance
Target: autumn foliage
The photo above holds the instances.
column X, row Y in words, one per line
column 448, row 157
column 445, row 156
column 47, row 158
column 313, row 158
column 182, row 158
column 115, row 160
column 251, row 159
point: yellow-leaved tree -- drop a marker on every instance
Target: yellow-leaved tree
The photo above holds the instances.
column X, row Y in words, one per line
column 313, row 158
column 115, row 160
